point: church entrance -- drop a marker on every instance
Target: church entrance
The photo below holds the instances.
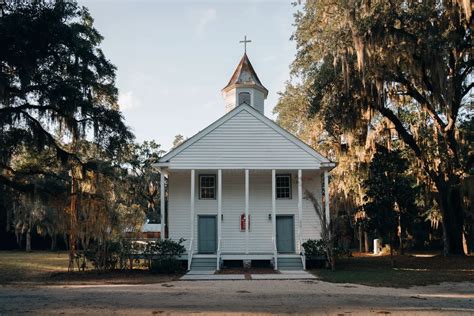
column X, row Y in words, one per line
column 207, row 234
column 285, row 233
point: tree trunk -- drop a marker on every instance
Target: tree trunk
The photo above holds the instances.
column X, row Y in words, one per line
column 360, row 238
column 53, row 242
column 400, row 234
column 392, row 262
column 366, row 241
column 19, row 238
column 73, row 221
column 450, row 205
column 28, row 240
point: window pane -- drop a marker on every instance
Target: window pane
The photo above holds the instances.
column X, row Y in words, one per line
column 244, row 97
column 207, row 187
column 283, row 186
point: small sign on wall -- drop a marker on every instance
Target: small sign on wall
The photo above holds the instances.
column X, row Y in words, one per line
column 242, row 222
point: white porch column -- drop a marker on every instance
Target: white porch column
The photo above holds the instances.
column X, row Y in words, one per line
column 326, row 196
column 246, row 211
column 162, row 205
column 193, row 179
column 300, row 207
column 275, row 266
column 219, row 215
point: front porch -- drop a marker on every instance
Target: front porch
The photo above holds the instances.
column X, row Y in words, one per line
column 219, row 230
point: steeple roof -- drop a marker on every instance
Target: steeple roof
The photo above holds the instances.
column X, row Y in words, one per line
column 244, row 74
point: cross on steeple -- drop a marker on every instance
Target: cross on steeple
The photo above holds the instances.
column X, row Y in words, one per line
column 245, row 41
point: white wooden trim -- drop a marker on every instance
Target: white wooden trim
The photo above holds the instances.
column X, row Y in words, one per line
column 193, row 190
column 246, row 211
column 219, row 215
column 162, row 205
column 315, row 167
column 274, row 217
column 300, row 207
column 326, row 196
column 256, row 114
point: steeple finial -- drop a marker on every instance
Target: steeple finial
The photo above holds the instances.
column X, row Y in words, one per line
column 245, row 41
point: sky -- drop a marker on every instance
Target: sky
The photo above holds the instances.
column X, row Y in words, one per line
column 174, row 57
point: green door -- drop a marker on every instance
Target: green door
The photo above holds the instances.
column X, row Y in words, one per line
column 285, row 234
column 207, row 234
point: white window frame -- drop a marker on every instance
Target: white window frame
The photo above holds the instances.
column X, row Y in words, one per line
column 201, row 176
column 288, row 175
column 247, row 93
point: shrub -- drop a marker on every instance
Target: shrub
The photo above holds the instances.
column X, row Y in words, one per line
column 163, row 255
column 314, row 248
column 108, row 255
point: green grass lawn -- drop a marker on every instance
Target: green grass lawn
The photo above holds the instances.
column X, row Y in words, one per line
column 408, row 271
column 19, row 265
column 46, row 267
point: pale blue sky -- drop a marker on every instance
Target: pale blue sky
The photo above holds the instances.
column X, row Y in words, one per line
column 174, row 57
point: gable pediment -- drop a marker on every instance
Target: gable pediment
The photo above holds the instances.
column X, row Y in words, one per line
column 243, row 138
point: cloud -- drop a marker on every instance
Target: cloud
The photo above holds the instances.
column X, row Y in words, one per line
column 205, row 17
column 128, row 101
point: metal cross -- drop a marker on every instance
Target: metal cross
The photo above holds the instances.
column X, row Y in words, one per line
column 245, row 41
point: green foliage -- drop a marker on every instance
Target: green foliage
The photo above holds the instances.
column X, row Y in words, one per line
column 109, row 255
column 178, row 140
column 391, row 193
column 143, row 180
column 62, row 131
column 164, row 255
column 56, row 87
column 314, row 248
column 371, row 71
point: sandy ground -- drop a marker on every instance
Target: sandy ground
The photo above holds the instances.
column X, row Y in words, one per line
column 238, row 297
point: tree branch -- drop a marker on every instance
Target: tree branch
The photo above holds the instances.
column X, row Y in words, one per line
column 415, row 94
column 52, row 141
column 467, row 89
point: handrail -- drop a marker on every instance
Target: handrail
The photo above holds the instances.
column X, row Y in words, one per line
column 218, row 254
column 302, row 253
column 190, row 253
column 303, row 258
column 275, row 254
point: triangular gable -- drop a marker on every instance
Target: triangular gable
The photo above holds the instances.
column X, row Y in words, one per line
column 236, row 135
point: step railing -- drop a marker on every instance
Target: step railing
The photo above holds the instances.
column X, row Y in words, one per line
column 218, row 263
column 303, row 258
column 190, row 254
column 302, row 254
column 275, row 254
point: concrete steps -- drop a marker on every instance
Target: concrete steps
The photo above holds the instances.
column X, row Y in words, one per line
column 203, row 263
column 290, row 263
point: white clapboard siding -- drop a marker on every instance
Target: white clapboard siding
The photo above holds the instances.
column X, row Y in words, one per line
column 243, row 139
column 233, row 205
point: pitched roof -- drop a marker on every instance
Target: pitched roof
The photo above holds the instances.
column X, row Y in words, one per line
column 324, row 162
column 245, row 74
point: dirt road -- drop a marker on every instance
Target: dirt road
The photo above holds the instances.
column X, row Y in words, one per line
column 209, row 297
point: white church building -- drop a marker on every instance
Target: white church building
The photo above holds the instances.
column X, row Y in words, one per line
column 235, row 189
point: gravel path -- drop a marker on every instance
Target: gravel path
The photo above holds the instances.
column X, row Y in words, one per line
column 212, row 297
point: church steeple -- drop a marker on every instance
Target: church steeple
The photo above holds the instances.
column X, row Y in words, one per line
column 244, row 87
